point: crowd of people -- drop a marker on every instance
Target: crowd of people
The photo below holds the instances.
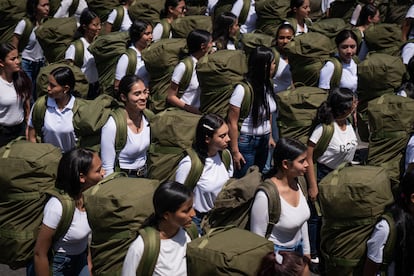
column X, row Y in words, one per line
column 253, row 140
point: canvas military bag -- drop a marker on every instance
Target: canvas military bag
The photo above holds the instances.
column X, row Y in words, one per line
column 227, row 251
column 307, row 55
column 391, row 120
column 27, row 181
column 352, row 199
column 107, row 49
column 117, row 206
column 55, row 36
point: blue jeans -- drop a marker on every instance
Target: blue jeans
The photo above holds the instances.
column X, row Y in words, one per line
column 32, row 68
column 315, row 221
column 275, row 135
column 254, row 150
column 65, row 265
column 197, row 221
column 297, row 248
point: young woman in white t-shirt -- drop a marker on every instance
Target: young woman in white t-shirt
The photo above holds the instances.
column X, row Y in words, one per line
column 199, row 43
column 211, row 140
column 90, row 26
column 249, row 144
column 15, row 94
column 290, row 233
column 172, row 10
column 347, row 45
column 403, row 253
column 112, row 17
column 341, row 102
column 173, row 212
column 57, row 126
column 32, row 53
column 132, row 158
column 225, row 31
column 140, row 34
column 78, row 170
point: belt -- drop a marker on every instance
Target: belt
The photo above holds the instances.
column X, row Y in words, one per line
column 141, row 172
column 42, row 60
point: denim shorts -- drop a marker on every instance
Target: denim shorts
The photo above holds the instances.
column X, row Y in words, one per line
column 297, row 248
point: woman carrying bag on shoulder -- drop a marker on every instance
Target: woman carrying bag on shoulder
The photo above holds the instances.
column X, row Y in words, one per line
column 290, row 233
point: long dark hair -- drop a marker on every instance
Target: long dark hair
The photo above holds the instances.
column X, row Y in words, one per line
column 344, row 35
column 293, row 264
column 169, row 3
column 85, row 19
column 404, row 223
column 206, row 127
column 137, row 29
column 286, row 149
column 294, row 4
column 339, row 102
column 258, row 76
column 369, row 10
column 21, row 81
column 221, row 29
column 196, row 38
column 168, row 197
column 64, row 76
column 71, row 165
column 126, row 84
column 31, row 9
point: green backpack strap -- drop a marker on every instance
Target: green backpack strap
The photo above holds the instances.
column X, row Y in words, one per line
column 116, row 26
column 337, row 74
column 132, row 61
column 226, row 158
column 388, row 251
column 38, row 115
column 73, row 7
column 247, row 101
column 269, row 188
column 323, row 143
column 152, row 243
column 276, row 55
column 196, row 169
column 244, row 12
column 119, row 116
column 79, row 53
column 149, row 114
column 68, row 209
column 186, row 79
column 25, row 36
column 192, row 231
column 166, row 28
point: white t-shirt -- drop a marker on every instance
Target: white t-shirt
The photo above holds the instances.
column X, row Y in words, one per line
column 407, row 52
column 11, row 106
column 341, row 148
column 33, row 51
column 212, row 180
column 326, row 4
column 140, row 70
column 283, row 77
column 75, row 241
column 191, row 95
column 376, row 243
column 409, row 152
column 410, row 14
column 63, row 10
column 89, row 65
column 134, row 153
column 58, row 125
column 171, row 260
column 250, row 25
column 210, row 7
column 349, row 78
column 292, row 226
column 157, row 32
column 247, row 125
column 126, row 20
